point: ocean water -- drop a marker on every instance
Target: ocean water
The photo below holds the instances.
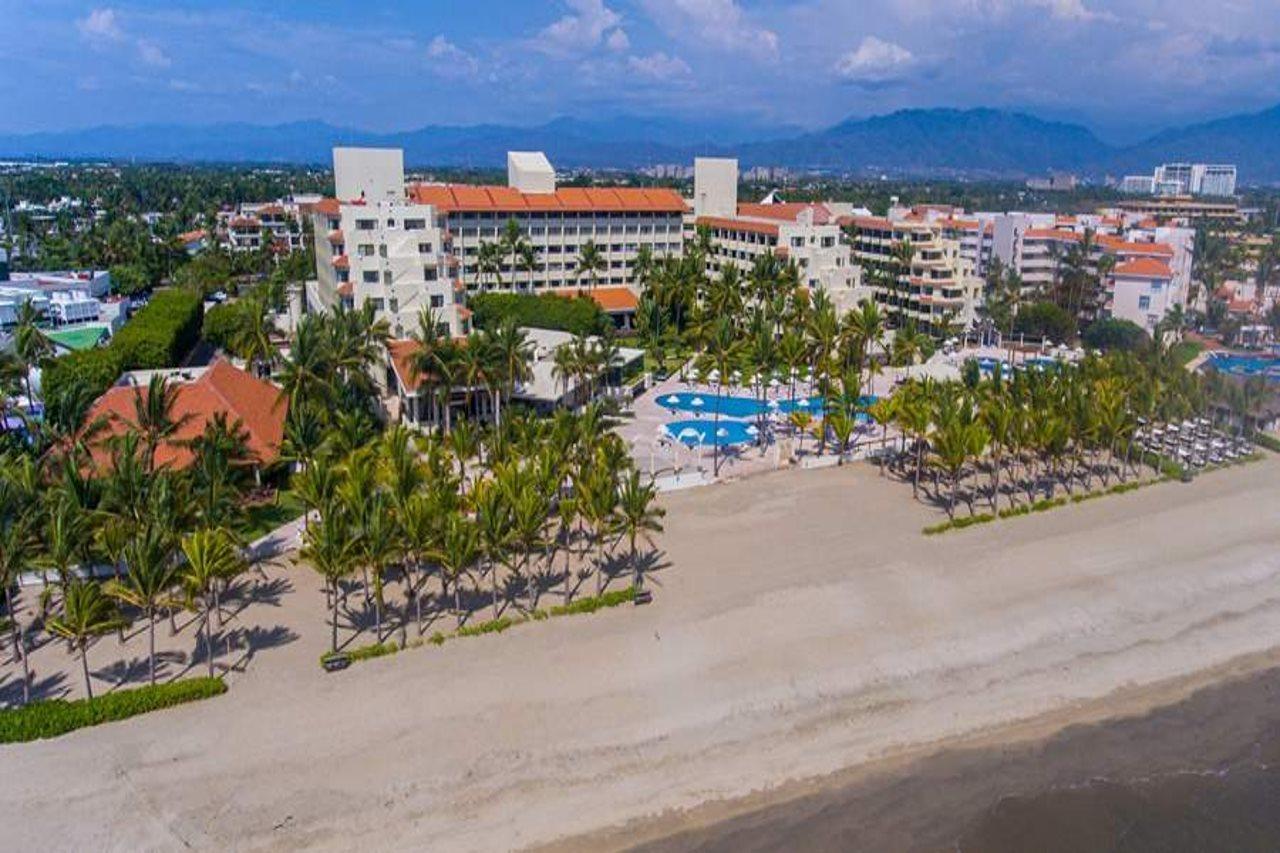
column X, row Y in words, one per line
column 1199, row 775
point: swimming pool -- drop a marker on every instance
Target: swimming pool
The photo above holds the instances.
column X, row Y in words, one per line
column 741, row 407
column 709, row 434
column 1246, row 365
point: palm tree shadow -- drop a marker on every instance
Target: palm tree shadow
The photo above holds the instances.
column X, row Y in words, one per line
column 258, row 639
column 249, row 592
column 53, row 687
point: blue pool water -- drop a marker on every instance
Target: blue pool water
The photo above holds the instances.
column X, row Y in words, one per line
column 708, row 434
column 1247, row 365
column 741, row 407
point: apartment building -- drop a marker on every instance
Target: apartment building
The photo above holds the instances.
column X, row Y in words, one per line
column 376, row 245
column 807, row 234
column 1184, row 179
column 276, row 223
column 1142, row 291
column 937, row 289
column 557, row 222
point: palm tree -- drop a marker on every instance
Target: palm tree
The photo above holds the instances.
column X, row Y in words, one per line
column 590, row 263
column 148, row 584
column 512, row 242
column 87, row 612
column 458, row 551
column 493, row 517
column 211, row 558
column 637, row 516
column 513, row 354
column 330, row 549
column 801, row 421
column 17, row 540
column 252, row 340
column 29, row 343
column 597, row 495
column 489, row 263
column 527, row 262
column 154, row 416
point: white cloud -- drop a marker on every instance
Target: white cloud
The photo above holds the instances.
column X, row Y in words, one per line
column 875, row 61
column 719, row 23
column 100, row 25
column 152, row 55
column 449, row 60
column 659, row 66
column 1072, row 10
column 580, row 31
column 618, row 41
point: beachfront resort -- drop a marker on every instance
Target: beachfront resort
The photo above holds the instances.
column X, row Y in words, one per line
column 491, row 411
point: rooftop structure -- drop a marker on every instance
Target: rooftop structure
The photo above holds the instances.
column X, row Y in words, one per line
column 1184, row 179
column 255, row 404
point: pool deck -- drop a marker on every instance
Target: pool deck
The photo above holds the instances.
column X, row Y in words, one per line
column 662, row 457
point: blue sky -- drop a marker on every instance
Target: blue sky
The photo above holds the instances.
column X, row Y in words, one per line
column 1123, row 68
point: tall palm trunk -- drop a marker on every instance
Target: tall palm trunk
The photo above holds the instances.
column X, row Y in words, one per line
column 333, row 627
column 208, row 636
column 151, row 641
column 19, row 646
column 84, row 665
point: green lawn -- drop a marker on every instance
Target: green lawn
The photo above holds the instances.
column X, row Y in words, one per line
column 1184, row 351
column 263, row 518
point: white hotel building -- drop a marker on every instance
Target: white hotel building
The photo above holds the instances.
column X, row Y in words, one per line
column 806, row 233
column 409, row 247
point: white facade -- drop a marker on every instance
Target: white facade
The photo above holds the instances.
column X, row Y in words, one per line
column 372, row 174
column 715, row 186
column 530, row 172
column 1180, row 179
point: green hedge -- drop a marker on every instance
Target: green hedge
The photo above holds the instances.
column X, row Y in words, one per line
column 373, row 650
column 54, row 717
column 1270, row 442
column 579, row 315
column 162, row 333
column 94, row 369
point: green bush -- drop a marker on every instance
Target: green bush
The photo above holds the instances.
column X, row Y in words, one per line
column 94, row 369
column 1112, row 333
column 222, row 323
column 372, row 650
column 493, row 626
column 579, row 315
column 591, row 605
column 1045, row 320
column 959, row 523
column 162, row 333
column 54, row 717
column 130, row 280
column 1270, row 442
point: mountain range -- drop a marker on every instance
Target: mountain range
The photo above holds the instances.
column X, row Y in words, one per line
column 974, row 143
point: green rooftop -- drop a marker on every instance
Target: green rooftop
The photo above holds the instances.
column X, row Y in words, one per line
column 79, row 338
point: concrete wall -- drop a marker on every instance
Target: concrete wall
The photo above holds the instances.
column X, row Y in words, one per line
column 374, row 174
column 715, row 186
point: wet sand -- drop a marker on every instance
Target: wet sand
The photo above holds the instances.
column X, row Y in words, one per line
column 801, row 626
column 1199, row 774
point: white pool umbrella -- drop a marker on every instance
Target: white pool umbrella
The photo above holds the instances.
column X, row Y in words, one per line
column 673, row 400
column 697, row 401
column 804, row 403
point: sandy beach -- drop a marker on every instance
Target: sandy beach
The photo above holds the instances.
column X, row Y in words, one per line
column 802, row 626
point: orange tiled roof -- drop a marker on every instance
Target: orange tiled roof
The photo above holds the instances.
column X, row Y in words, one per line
column 244, row 222
column 258, row 405
column 450, row 198
column 328, row 206
column 878, row 222
column 1050, row 234
column 1144, row 267
column 786, row 211
column 747, row 225
column 192, row 236
column 1117, row 246
column 610, row 299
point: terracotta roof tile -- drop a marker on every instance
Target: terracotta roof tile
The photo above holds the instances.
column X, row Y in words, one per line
column 1144, row 267
column 259, row 406
column 765, row 228
column 450, row 198
column 785, row 211
column 610, row 299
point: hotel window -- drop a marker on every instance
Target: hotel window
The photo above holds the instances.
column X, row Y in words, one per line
column 366, row 224
column 415, row 224
column 393, row 305
column 428, row 273
column 376, row 302
column 365, row 250
column 437, row 301
column 1144, row 302
column 424, row 248
column 370, row 276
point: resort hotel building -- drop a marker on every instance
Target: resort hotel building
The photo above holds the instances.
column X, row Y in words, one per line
column 929, row 283
column 408, row 247
column 804, row 233
column 375, row 245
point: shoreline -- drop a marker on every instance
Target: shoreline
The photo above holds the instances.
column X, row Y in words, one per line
column 711, row 824
column 801, row 625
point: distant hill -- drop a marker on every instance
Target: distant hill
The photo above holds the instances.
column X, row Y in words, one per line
column 940, row 140
column 977, row 142
column 1251, row 141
